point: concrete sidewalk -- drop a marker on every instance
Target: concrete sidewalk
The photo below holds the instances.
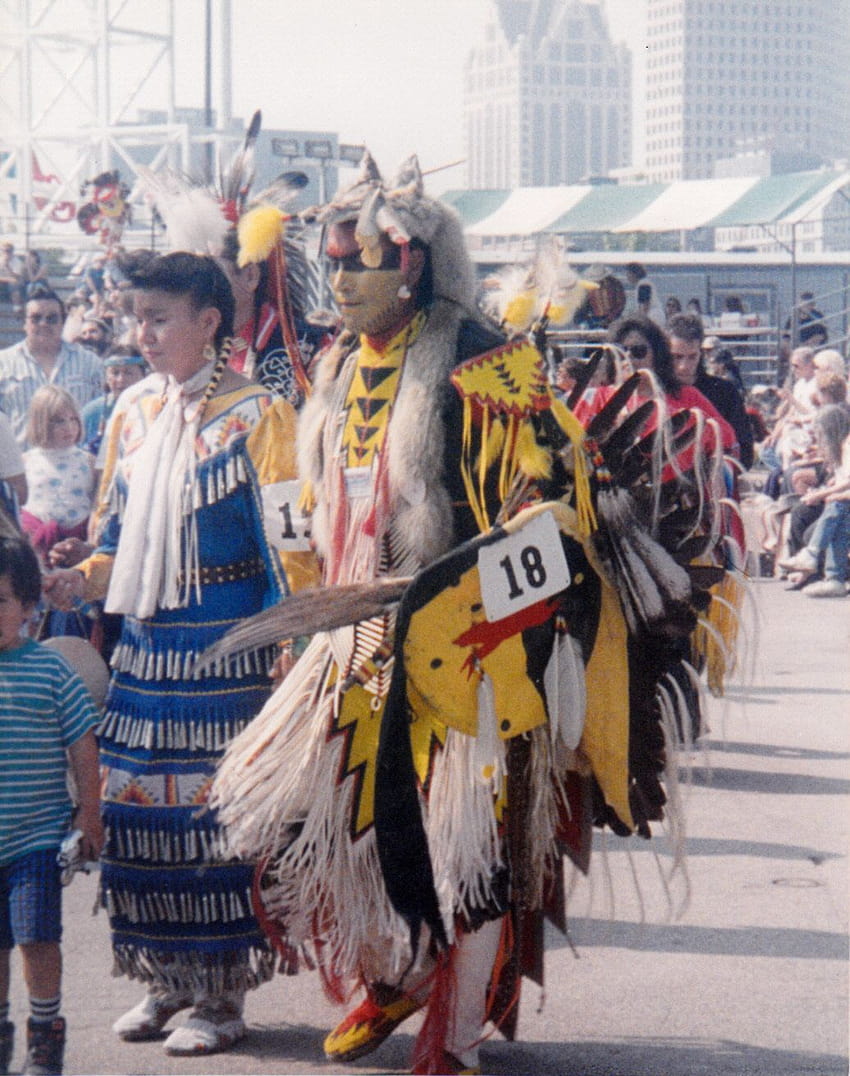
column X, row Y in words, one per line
column 751, row 976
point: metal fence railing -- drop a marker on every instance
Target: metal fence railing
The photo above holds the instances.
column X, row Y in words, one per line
column 756, row 349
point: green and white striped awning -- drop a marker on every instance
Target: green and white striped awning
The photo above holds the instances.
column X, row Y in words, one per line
column 651, row 207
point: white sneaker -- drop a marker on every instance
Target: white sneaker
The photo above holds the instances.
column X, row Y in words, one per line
column 146, row 1020
column 207, row 1031
column 826, row 588
column 804, row 561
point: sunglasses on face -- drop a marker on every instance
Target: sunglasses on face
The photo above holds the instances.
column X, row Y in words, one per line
column 637, row 351
column 48, row 319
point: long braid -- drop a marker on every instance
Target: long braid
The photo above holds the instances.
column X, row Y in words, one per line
column 215, row 377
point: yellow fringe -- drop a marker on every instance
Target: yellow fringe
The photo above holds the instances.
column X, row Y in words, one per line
column 478, row 507
column 307, row 499
column 507, row 469
column 724, row 617
column 259, row 230
column 584, row 501
column 495, row 442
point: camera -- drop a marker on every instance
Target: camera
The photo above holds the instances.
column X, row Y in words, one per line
column 70, row 857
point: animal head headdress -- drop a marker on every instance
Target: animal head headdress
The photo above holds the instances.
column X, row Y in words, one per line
column 400, row 210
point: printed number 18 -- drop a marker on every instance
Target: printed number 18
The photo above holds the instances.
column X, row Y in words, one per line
column 532, row 564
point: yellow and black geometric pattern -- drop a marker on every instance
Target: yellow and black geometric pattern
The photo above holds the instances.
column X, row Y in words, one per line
column 372, row 391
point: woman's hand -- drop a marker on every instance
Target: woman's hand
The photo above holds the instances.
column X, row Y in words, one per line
column 63, row 588
column 68, row 552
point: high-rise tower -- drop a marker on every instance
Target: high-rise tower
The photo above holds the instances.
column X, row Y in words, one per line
column 725, row 77
column 546, row 96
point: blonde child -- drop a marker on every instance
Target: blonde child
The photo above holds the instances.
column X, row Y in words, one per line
column 60, row 474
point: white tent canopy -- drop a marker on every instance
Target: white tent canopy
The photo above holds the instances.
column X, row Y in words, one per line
column 528, row 210
column 689, row 203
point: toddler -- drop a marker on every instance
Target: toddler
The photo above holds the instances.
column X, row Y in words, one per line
column 47, row 720
column 60, row 474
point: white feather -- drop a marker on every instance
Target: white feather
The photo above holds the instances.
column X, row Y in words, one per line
column 566, row 695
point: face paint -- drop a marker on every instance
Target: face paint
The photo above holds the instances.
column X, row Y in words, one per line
column 368, row 299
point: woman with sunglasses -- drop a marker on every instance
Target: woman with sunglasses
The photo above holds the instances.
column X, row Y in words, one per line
column 642, row 346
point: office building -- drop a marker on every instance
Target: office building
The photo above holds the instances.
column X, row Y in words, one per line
column 546, row 96
column 723, row 77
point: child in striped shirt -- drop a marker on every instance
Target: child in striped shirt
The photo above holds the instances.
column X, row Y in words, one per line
column 47, row 720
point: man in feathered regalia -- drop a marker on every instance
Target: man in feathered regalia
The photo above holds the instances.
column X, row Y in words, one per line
column 414, row 783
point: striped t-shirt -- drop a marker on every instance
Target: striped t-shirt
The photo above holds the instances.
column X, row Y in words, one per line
column 44, row 708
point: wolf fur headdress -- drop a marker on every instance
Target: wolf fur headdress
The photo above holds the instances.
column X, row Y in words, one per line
column 400, row 210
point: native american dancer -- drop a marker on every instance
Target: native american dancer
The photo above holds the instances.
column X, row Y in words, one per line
column 193, row 537
column 415, row 781
column 259, row 245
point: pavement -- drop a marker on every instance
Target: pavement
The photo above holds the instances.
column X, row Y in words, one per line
column 739, row 965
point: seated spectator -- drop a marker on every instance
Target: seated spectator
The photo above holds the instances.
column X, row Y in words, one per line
column 814, row 336
column 760, row 408
column 117, row 309
column 724, row 364
column 830, row 359
column 830, row 537
column 831, row 388
column 671, row 306
column 123, row 367
column 33, row 273
column 114, row 274
column 791, row 436
column 93, row 280
column 11, row 284
column 810, row 327
column 77, row 310
column 694, row 306
column 95, row 334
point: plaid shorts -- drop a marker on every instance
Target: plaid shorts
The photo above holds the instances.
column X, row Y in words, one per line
column 31, row 900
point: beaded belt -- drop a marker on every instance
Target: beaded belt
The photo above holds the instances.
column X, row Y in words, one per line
column 224, row 573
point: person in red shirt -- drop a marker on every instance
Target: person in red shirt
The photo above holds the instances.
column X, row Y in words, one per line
column 644, row 347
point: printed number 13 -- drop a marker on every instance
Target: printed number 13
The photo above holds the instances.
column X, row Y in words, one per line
column 532, row 565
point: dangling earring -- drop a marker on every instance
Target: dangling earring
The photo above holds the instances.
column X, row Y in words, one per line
column 403, row 292
column 209, row 353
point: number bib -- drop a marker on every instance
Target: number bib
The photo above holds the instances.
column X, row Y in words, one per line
column 523, row 568
column 287, row 528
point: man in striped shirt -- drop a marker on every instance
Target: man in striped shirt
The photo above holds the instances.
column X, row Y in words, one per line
column 42, row 358
column 47, row 720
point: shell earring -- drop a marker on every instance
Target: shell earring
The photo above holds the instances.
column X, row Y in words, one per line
column 404, row 292
column 209, row 353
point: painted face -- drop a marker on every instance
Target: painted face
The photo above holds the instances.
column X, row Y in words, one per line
column 686, row 355
column 13, row 615
column 63, row 429
column 637, row 349
column 119, row 378
column 43, row 325
column 368, row 299
column 172, row 334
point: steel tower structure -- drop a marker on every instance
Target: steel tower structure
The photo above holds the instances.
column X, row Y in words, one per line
column 74, row 76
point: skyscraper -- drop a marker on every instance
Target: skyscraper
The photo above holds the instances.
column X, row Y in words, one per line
column 724, row 77
column 547, row 96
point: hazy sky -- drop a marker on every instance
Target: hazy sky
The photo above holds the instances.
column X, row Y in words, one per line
column 383, row 72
